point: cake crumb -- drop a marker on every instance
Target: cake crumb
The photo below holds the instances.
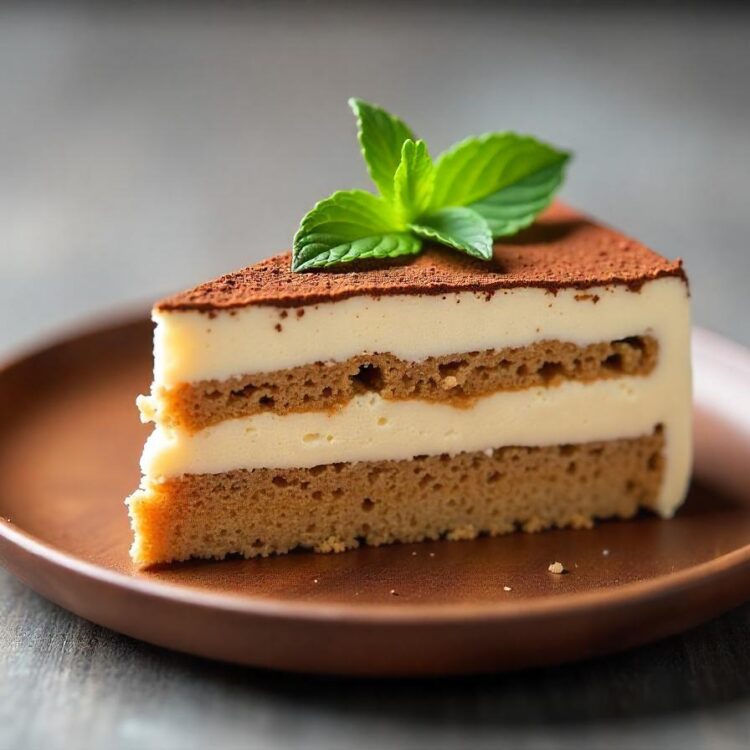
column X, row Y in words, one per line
column 414, row 554
column 315, row 580
column 557, row 568
column 581, row 297
column 605, row 552
column 394, row 592
column 507, row 588
column 432, row 554
column 450, row 382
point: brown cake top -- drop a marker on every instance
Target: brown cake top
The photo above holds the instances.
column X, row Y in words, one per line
column 563, row 249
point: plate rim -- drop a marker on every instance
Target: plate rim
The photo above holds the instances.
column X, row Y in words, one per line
column 403, row 614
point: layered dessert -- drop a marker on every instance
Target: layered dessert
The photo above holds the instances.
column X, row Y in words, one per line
column 432, row 396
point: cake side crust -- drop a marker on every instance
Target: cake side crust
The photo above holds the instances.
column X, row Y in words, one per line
column 335, row 507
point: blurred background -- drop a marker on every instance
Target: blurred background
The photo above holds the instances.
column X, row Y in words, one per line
column 145, row 147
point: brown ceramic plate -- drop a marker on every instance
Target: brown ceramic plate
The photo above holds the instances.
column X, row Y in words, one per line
column 69, row 446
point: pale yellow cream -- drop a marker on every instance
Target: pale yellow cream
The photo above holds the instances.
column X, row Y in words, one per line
column 190, row 346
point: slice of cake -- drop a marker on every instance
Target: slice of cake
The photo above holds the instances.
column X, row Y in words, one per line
column 437, row 396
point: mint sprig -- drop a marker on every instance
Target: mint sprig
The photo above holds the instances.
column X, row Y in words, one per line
column 477, row 190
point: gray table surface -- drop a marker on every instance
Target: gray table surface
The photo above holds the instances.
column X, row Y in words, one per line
column 143, row 149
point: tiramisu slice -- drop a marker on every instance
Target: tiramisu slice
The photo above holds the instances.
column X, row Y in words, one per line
column 435, row 396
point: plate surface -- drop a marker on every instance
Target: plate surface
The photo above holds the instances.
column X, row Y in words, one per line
column 69, row 447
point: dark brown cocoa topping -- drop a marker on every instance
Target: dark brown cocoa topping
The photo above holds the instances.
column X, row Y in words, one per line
column 563, row 249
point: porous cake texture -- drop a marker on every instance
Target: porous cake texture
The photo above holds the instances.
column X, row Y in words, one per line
column 432, row 397
column 334, row 507
column 455, row 378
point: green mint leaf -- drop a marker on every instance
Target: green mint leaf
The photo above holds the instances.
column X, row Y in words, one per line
column 413, row 181
column 480, row 188
column 377, row 246
column 460, row 228
column 515, row 207
column 350, row 225
column 381, row 136
column 479, row 167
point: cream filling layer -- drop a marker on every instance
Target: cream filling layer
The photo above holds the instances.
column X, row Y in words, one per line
column 371, row 428
column 191, row 346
